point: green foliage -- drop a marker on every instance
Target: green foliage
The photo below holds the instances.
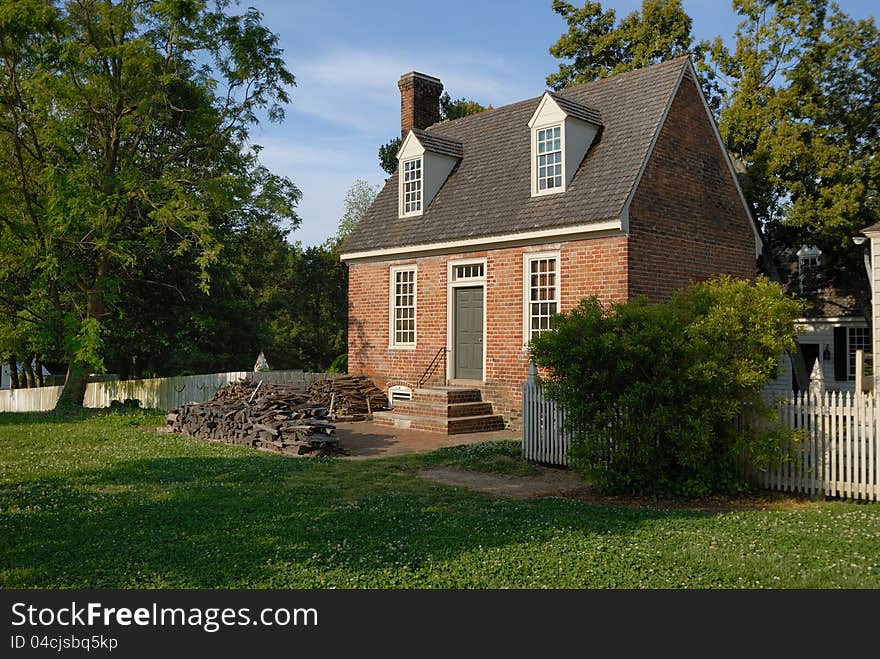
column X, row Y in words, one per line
column 307, row 310
column 340, row 364
column 357, row 200
column 595, row 46
column 800, row 115
column 156, row 511
column 124, row 154
column 388, row 155
column 457, row 108
column 654, row 391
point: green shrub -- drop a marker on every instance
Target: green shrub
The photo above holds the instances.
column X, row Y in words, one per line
column 654, row 392
column 340, row 364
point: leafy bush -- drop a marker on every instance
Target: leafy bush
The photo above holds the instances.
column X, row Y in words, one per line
column 340, row 364
column 654, row 392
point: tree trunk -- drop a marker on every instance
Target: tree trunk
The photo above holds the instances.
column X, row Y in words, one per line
column 123, row 367
column 74, row 392
column 13, row 372
column 38, row 371
column 28, row 367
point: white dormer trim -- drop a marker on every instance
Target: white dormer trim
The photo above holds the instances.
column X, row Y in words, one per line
column 435, row 167
column 576, row 137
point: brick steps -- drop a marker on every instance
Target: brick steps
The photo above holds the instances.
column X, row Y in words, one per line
column 448, row 410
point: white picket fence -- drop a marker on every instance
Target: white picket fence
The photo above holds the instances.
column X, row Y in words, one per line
column 544, row 436
column 837, row 455
column 158, row 393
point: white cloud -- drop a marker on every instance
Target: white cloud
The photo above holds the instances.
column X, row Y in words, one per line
column 357, row 88
column 346, row 104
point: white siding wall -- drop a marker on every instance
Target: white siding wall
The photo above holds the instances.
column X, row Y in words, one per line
column 435, row 171
column 875, row 281
column 579, row 136
column 822, row 334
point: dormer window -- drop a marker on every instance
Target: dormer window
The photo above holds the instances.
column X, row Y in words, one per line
column 809, row 263
column 426, row 160
column 562, row 131
column 549, row 158
column 412, row 186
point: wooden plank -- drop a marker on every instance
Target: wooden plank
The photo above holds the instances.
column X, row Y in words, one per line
column 830, row 477
column 849, row 446
column 792, row 416
column 863, row 421
column 869, row 446
column 875, row 442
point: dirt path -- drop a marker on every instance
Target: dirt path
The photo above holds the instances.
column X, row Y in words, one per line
column 563, row 483
column 550, row 482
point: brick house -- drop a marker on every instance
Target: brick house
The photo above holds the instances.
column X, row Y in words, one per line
column 496, row 221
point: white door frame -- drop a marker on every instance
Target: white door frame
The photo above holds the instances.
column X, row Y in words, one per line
column 468, row 282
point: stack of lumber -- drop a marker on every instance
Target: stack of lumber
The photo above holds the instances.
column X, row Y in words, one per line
column 351, row 397
column 272, row 417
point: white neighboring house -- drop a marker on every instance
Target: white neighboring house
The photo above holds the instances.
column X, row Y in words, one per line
column 831, row 332
column 6, row 381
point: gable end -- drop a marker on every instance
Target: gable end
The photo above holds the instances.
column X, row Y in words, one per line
column 687, row 217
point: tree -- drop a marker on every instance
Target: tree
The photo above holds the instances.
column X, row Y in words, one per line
column 595, row 46
column 799, row 114
column 123, row 126
column 653, row 392
column 357, row 200
column 388, row 155
column 449, row 109
column 457, row 108
column 308, row 311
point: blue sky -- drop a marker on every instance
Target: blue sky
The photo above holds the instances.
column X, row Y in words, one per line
column 347, row 56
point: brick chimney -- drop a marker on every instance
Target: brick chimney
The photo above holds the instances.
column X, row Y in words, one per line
column 419, row 101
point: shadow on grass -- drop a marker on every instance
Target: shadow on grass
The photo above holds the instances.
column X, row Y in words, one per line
column 264, row 521
column 73, row 415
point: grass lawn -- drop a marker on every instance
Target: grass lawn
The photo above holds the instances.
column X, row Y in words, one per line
column 96, row 502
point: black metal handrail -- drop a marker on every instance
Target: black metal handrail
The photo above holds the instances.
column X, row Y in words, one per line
column 432, row 367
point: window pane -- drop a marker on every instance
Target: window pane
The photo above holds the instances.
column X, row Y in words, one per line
column 549, row 155
column 859, row 338
column 542, row 294
column 404, row 312
column 412, row 186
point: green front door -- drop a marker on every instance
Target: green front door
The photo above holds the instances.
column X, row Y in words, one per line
column 468, row 338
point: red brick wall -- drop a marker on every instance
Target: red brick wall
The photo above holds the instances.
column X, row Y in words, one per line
column 419, row 102
column 686, row 220
column 588, row 267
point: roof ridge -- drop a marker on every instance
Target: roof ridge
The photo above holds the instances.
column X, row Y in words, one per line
column 625, row 74
column 564, row 92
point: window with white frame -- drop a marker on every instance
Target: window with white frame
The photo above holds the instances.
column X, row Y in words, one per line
column 858, row 338
column 412, row 186
column 549, row 154
column 468, row 271
column 403, row 306
column 809, row 262
column 541, row 293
